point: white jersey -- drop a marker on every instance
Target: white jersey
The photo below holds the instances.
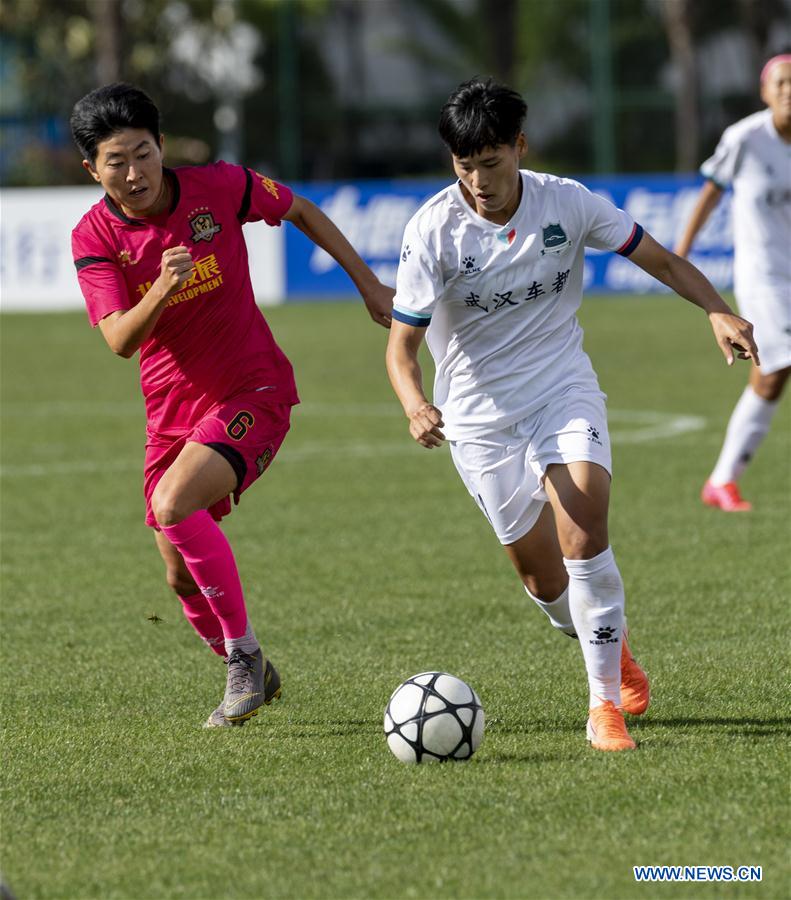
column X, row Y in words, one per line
column 500, row 301
column 752, row 158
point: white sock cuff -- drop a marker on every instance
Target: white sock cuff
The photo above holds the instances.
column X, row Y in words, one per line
column 547, row 604
column 747, row 427
column 557, row 611
column 757, row 404
column 580, row 568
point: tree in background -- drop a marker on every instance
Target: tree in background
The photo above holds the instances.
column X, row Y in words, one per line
column 210, row 64
column 60, row 50
column 676, row 15
column 296, row 86
column 689, row 24
column 663, row 105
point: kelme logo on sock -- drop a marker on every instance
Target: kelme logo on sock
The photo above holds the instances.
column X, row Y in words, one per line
column 604, row 635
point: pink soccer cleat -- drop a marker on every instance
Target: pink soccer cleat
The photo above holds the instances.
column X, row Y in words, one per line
column 725, row 497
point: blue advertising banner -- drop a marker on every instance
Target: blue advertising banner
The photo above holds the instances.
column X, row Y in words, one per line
column 372, row 214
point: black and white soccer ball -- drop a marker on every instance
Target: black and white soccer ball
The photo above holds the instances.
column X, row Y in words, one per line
column 433, row 716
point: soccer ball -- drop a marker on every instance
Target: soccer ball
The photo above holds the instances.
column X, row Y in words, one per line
column 433, row 716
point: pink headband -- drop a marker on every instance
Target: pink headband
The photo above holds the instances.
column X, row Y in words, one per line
column 782, row 58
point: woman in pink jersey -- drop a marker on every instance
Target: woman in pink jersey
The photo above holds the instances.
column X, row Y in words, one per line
column 162, row 263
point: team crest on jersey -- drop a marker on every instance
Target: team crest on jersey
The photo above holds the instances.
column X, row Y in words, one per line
column 125, row 259
column 203, row 225
column 555, row 238
column 263, row 460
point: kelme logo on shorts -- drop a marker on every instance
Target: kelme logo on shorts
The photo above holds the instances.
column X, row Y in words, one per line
column 555, row 238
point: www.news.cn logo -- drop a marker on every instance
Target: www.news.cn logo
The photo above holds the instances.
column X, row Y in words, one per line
column 697, row 873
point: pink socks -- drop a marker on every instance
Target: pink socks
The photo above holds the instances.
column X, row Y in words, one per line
column 200, row 615
column 209, row 559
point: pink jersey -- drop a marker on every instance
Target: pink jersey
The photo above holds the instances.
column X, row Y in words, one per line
column 211, row 340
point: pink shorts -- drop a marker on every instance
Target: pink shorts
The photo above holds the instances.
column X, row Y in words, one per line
column 247, row 430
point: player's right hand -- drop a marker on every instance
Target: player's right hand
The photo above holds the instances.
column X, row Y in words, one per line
column 425, row 424
column 176, row 268
column 735, row 336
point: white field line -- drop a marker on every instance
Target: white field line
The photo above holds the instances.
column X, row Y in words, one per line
column 651, row 426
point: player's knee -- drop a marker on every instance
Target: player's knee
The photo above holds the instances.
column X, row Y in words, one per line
column 166, row 507
column 181, row 583
column 770, row 387
column 546, row 587
column 580, row 544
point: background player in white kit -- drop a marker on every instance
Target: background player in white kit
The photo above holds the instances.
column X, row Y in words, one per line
column 491, row 274
column 754, row 157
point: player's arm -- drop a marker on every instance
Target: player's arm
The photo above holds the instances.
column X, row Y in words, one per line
column 731, row 332
column 311, row 221
column 126, row 330
column 708, row 198
column 403, row 368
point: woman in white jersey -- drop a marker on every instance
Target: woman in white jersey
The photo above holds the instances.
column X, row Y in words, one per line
column 754, row 158
column 491, row 274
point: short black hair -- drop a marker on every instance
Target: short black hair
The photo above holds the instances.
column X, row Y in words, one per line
column 481, row 114
column 107, row 110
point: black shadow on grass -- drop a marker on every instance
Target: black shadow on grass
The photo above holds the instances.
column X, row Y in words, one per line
column 500, row 757
column 533, row 727
column 766, row 727
column 337, row 729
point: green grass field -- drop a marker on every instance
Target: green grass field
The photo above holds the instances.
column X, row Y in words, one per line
column 364, row 562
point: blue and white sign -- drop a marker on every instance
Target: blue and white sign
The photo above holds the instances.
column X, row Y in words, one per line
column 373, row 215
column 37, row 272
column 662, row 204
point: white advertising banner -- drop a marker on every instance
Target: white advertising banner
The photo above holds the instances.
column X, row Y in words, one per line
column 36, row 269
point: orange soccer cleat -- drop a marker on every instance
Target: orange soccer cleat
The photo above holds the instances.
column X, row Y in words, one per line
column 607, row 729
column 635, row 690
column 725, row 497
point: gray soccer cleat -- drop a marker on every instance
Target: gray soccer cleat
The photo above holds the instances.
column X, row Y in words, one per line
column 271, row 692
column 252, row 682
column 217, row 719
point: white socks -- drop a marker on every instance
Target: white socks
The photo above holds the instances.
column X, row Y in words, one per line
column 247, row 642
column 596, row 604
column 748, row 426
column 557, row 612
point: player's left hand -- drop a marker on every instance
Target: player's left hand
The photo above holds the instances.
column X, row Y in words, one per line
column 734, row 335
column 379, row 303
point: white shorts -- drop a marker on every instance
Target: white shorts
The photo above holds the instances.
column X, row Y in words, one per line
column 770, row 315
column 504, row 470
